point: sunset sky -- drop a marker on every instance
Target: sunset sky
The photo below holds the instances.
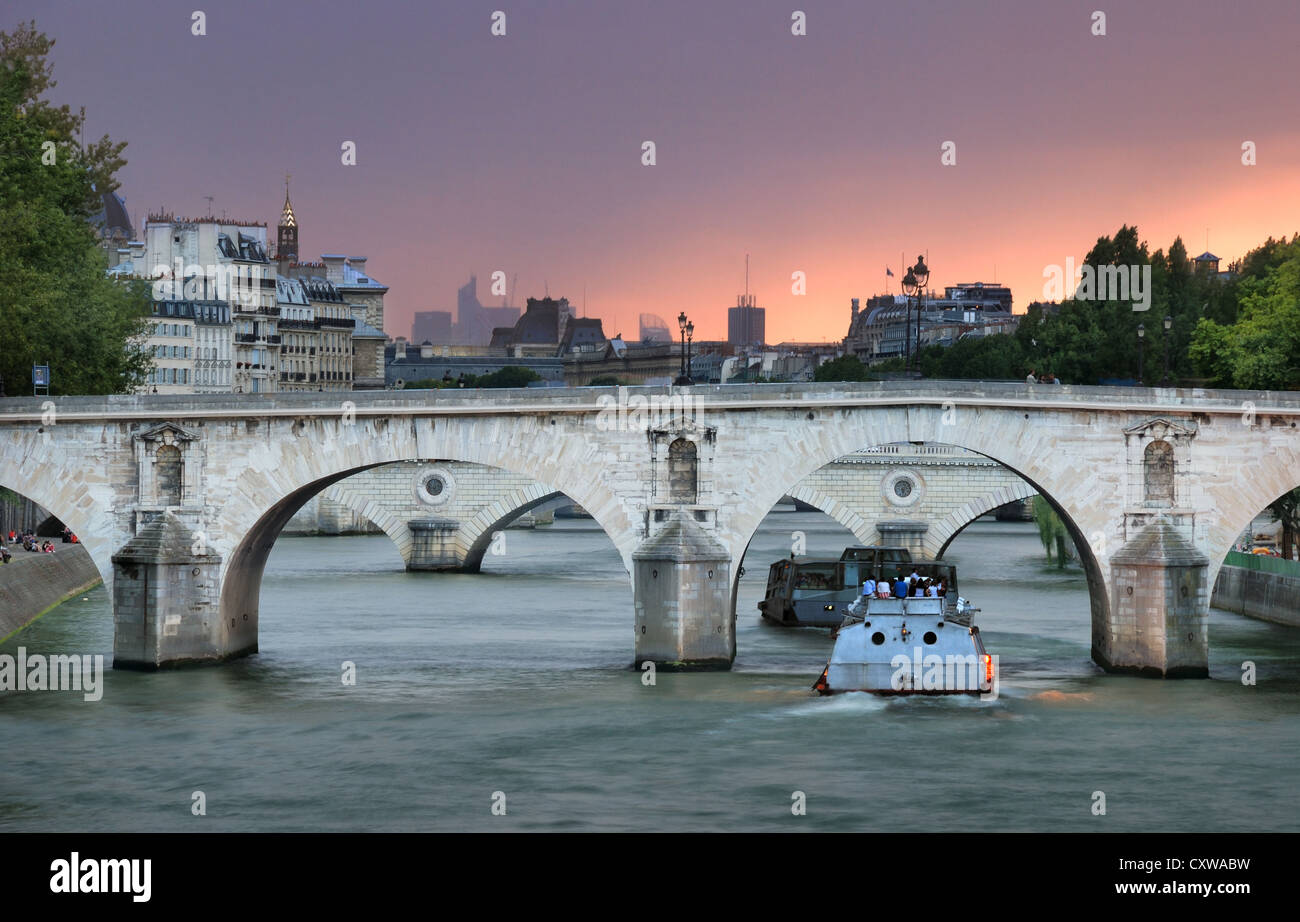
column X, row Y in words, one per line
column 818, row 153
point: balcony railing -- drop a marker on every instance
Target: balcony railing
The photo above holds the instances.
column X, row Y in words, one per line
column 348, row 323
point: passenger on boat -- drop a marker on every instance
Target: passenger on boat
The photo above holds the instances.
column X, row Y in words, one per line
column 900, row 587
column 868, row 586
column 882, row 589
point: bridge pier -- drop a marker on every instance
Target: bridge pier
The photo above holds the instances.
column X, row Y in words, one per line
column 682, row 588
column 167, row 601
column 1159, row 610
column 434, row 545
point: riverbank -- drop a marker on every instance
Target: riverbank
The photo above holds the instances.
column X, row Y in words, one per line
column 32, row 584
column 1259, row 587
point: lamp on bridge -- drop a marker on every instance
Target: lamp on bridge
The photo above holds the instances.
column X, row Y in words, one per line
column 909, row 289
column 687, row 328
column 914, row 283
column 1142, row 342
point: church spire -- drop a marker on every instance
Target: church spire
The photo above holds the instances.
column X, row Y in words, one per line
column 286, row 216
column 286, row 243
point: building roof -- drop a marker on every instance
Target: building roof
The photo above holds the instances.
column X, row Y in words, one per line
column 113, row 220
column 364, row 330
column 1207, row 256
column 290, row 291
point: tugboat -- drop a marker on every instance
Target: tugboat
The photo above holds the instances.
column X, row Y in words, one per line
column 811, row 591
column 910, row 646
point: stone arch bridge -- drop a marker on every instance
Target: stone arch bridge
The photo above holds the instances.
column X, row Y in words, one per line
column 444, row 515
column 179, row 499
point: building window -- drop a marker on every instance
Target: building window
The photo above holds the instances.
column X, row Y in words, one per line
column 1158, row 470
column 682, row 471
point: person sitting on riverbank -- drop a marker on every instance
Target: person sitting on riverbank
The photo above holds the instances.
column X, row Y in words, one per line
column 5, row 556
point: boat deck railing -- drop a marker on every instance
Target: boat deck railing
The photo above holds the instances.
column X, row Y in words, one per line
column 946, row 607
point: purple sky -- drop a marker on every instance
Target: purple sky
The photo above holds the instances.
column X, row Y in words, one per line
column 819, row 154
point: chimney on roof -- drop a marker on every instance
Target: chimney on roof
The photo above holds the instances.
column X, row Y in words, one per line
column 358, row 263
column 334, row 268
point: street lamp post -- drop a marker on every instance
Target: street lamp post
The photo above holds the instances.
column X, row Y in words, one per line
column 914, row 283
column 1169, row 325
column 690, row 336
column 909, row 289
column 1142, row 342
column 688, row 329
column 921, row 272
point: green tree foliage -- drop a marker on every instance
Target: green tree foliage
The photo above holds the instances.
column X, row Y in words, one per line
column 57, row 307
column 1051, row 530
column 985, row 358
column 605, row 381
column 1261, row 348
column 1087, row 341
column 509, row 376
column 844, row 368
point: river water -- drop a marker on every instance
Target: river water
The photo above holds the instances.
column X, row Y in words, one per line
column 517, row 681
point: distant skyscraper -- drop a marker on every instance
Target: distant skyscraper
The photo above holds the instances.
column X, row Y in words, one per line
column 654, row 330
column 431, row 326
column 746, row 323
column 474, row 322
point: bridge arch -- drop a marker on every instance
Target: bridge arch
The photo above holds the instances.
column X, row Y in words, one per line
column 303, row 464
column 61, row 490
column 1258, row 484
column 967, row 506
column 479, row 532
column 1021, row 444
column 951, row 526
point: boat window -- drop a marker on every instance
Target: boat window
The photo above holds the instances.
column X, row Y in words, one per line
column 817, row 577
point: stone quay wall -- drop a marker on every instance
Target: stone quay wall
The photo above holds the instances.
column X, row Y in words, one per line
column 32, row 584
column 1258, row 594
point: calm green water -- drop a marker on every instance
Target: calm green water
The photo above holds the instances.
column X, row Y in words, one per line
column 517, row 680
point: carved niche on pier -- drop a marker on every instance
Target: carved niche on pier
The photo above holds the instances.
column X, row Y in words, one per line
column 170, row 463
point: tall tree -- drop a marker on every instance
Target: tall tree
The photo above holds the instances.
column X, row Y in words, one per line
column 58, row 307
column 1261, row 349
